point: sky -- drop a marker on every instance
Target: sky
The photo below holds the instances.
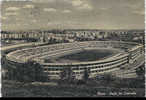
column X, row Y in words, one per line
column 72, row 14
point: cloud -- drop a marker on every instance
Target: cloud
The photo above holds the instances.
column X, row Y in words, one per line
column 77, row 2
column 85, row 7
column 3, row 18
column 135, row 5
column 34, row 21
column 136, row 8
column 76, row 14
column 12, row 9
column 103, row 8
column 50, row 9
column 66, row 11
column 28, row 6
column 141, row 12
column 43, row 1
column 11, row 13
column 53, row 23
column 80, row 4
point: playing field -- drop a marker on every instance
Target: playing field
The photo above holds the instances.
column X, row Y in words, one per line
column 83, row 56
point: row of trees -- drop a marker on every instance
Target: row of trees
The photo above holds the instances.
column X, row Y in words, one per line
column 32, row 71
column 140, row 71
column 27, row 72
column 67, row 76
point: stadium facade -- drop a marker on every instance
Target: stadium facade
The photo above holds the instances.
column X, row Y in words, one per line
column 128, row 53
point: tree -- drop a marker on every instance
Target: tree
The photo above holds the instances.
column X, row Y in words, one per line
column 63, row 74
column 86, row 75
column 140, row 71
column 67, row 74
column 108, row 78
column 29, row 72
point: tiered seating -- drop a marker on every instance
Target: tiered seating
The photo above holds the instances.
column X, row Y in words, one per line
column 49, row 49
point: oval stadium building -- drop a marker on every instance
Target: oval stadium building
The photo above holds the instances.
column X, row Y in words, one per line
column 123, row 53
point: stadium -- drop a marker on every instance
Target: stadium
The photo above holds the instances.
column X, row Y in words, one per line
column 109, row 56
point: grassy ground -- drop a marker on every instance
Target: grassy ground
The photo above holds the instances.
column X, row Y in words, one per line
column 85, row 55
column 53, row 89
